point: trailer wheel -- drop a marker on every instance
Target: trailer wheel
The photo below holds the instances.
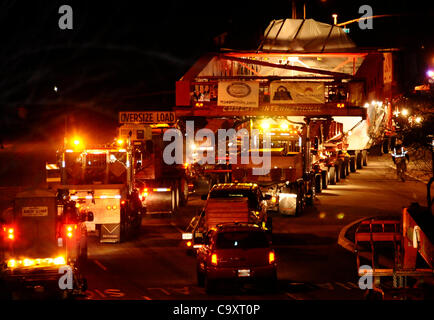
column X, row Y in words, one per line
column 332, row 175
column 200, row 277
column 173, row 196
column 318, row 184
column 359, row 160
column 385, row 146
column 353, row 164
column 184, row 192
column 299, row 207
column 325, row 179
column 210, row 285
column 365, row 157
column 343, row 170
column 338, row 169
column 269, row 224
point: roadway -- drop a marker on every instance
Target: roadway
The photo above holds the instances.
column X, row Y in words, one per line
column 311, row 265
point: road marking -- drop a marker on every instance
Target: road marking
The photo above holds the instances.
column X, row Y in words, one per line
column 292, row 296
column 146, row 298
column 99, row 264
column 176, row 227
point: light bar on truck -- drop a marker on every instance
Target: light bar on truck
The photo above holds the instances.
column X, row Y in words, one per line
column 161, row 189
column 187, row 236
column 89, row 197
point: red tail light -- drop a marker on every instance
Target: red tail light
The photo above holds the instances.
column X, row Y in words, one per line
column 9, row 233
column 70, row 230
column 271, row 257
column 214, row 260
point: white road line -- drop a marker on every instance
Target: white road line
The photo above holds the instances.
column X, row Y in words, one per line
column 146, row 298
column 99, row 264
column 176, row 227
column 292, row 296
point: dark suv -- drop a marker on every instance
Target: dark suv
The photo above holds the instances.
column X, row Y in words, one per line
column 237, row 252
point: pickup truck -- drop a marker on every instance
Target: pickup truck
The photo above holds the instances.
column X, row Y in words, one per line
column 228, row 203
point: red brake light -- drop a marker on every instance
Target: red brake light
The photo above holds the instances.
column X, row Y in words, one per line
column 214, row 259
column 9, row 233
column 271, row 257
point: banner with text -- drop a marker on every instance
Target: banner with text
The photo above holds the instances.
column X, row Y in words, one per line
column 282, row 92
column 238, row 93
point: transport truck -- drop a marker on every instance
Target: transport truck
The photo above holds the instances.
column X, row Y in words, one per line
column 41, row 233
column 100, row 179
column 339, row 95
column 229, row 203
column 162, row 188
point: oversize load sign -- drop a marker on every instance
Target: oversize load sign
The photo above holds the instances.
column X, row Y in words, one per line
column 282, row 92
column 148, row 117
column 238, row 93
column 34, row 211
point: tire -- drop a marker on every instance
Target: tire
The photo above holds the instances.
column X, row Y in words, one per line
column 173, row 196
column 353, row 164
column 184, row 192
column 343, row 170
column 210, row 285
column 269, row 224
column 82, row 258
column 332, row 175
column 200, row 278
column 299, row 207
column 385, row 146
column 359, row 161
column 365, row 158
column 318, row 183
column 324, row 179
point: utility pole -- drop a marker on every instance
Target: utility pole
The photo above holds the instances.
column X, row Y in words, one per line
column 294, row 10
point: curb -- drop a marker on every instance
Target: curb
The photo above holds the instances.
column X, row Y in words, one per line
column 343, row 241
column 350, row 246
column 411, row 176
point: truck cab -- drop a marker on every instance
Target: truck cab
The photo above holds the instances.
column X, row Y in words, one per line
column 40, row 234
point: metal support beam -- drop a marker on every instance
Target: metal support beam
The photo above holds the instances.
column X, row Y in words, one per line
column 287, row 67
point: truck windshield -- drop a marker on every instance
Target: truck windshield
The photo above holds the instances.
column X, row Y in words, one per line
column 95, row 168
column 241, row 240
column 253, row 201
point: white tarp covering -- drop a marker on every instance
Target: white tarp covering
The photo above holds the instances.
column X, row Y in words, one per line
column 296, row 92
column 305, row 35
column 238, row 93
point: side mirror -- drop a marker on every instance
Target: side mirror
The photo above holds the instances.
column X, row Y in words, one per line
column 204, row 197
column 267, row 197
column 90, row 216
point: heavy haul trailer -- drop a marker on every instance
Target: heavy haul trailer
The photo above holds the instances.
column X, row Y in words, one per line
column 162, row 188
column 411, row 241
column 329, row 82
column 40, row 234
column 100, row 179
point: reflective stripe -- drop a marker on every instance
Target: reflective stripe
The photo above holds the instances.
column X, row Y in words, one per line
column 53, row 179
column 51, row 167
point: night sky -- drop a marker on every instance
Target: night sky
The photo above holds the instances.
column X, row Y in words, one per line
column 127, row 55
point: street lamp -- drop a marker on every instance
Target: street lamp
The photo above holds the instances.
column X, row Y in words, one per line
column 404, row 112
